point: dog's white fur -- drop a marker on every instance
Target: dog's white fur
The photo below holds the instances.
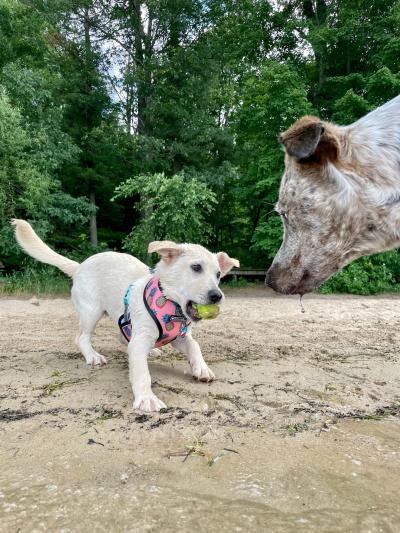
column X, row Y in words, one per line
column 100, row 283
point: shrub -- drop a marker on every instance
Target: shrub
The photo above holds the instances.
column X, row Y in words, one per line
column 368, row 275
column 41, row 279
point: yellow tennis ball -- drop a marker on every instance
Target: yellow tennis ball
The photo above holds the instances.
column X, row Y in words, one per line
column 207, row 311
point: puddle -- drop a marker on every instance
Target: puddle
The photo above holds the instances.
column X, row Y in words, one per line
column 343, row 481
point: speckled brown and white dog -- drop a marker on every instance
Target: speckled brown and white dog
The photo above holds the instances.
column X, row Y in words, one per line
column 339, row 197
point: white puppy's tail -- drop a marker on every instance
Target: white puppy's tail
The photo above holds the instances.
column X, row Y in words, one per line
column 36, row 248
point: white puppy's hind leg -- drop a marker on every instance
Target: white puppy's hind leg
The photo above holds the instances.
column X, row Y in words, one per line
column 89, row 309
column 191, row 349
column 139, row 375
column 84, row 339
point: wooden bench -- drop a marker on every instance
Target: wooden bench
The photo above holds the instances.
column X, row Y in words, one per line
column 247, row 273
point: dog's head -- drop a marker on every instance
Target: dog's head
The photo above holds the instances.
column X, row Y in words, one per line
column 328, row 220
column 191, row 274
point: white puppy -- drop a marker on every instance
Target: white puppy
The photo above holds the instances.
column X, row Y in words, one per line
column 187, row 274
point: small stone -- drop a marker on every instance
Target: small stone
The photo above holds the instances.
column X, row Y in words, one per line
column 34, row 301
column 208, row 405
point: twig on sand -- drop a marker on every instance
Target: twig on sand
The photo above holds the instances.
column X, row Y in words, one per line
column 233, row 399
column 213, row 460
column 108, row 414
column 253, row 387
column 92, row 441
column 230, row 450
column 55, row 385
column 197, row 449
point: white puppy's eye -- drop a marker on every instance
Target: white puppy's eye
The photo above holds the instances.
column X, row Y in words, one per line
column 196, row 268
column 218, row 275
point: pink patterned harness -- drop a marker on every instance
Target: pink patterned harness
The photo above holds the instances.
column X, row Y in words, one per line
column 167, row 314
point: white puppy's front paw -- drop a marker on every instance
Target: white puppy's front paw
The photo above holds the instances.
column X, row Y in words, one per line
column 96, row 359
column 156, row 352
column 148, row 403
column 201, row 372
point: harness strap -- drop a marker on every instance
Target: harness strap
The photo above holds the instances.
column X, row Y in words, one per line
column 126, row 301
column 164, row 334
column 151, row 313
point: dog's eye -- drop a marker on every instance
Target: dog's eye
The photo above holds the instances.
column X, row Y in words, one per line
column 218, row 275
column 196, row 268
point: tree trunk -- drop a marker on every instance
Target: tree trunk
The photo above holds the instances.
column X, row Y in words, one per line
column 88, row 56
column 89, row 73
column 316, row 13
column 135, row 22
column 93, row 222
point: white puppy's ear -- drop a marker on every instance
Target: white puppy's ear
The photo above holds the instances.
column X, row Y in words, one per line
column 226, row 263
column 167, row 250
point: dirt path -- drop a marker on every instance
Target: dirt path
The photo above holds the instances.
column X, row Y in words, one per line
column 300, row 432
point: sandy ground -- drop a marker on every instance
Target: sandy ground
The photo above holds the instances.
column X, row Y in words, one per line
column 300, row 432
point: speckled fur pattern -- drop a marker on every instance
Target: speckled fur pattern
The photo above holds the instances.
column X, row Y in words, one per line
column 339, row 196
column 99, row 285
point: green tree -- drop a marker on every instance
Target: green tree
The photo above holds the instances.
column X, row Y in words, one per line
column 176, row 208
column 183, row 96
column 34, row 145
column 86, row 102
column 271, row 101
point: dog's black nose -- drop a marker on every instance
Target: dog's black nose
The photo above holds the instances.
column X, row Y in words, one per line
column 214, row 296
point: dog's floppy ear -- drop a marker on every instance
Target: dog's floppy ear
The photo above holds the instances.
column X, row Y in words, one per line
column 310, row 137
column 226, row 263
column 167, row 250
column 301, row 139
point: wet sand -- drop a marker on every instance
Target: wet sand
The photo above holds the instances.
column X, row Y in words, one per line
column 300, row 432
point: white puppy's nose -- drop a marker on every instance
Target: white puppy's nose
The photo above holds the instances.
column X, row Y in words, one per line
column 214, row 296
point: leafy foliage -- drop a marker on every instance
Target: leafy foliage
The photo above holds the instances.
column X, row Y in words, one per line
column 35, row 280
column 174, row 109
column 272, row 100
column 368, row 275
column 173, row 208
